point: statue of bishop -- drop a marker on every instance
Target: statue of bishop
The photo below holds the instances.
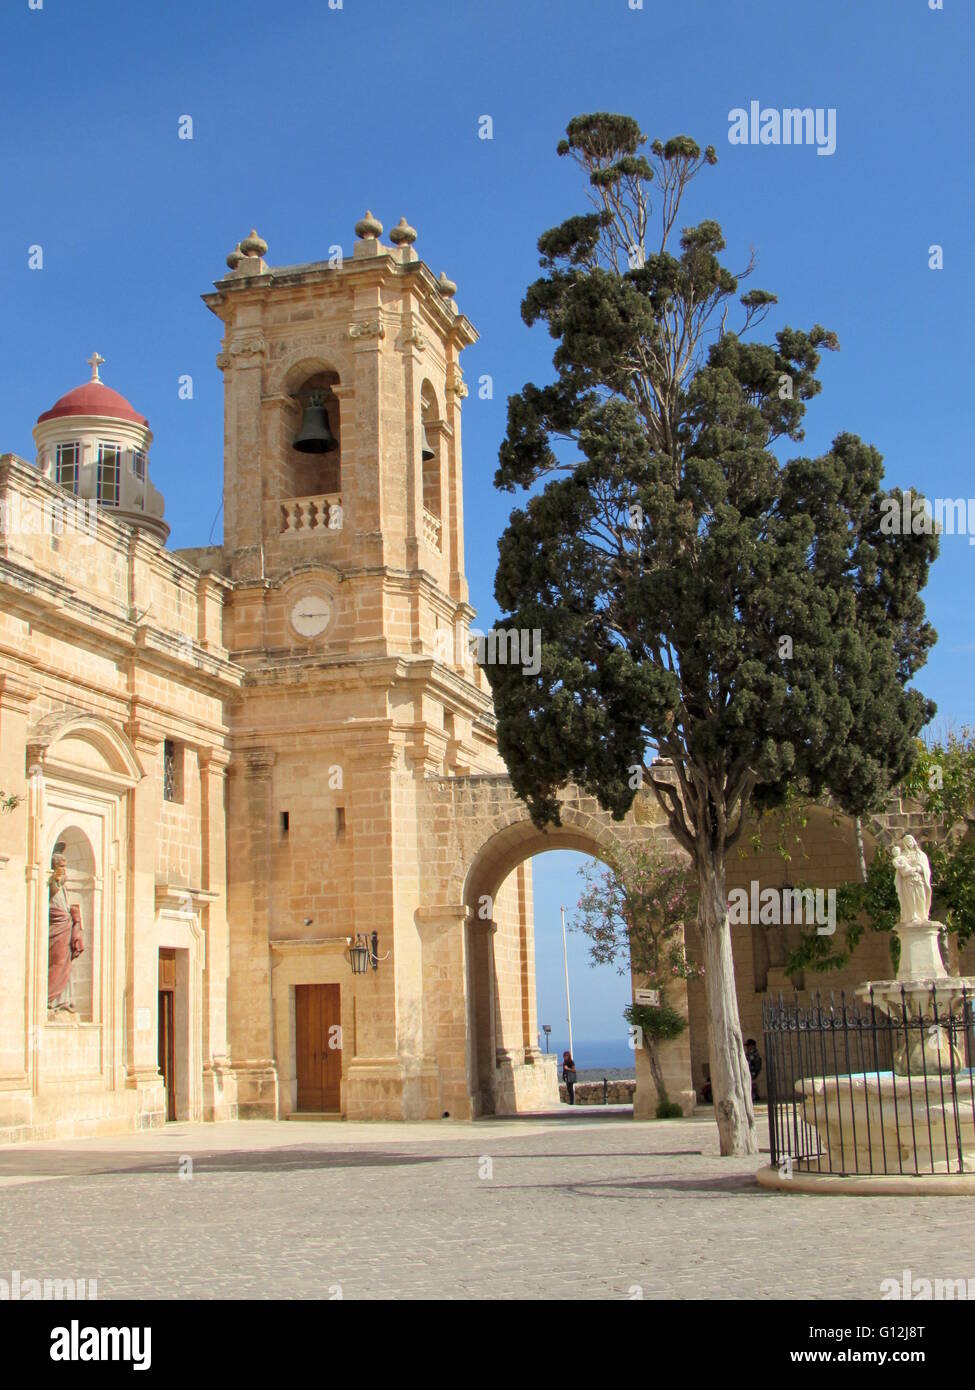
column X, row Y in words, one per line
column 65, row 940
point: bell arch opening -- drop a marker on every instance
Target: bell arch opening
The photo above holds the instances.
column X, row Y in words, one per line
column 312, row 465
column 430, row 450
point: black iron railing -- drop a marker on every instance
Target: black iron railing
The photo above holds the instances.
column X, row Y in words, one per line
column 856, row 1088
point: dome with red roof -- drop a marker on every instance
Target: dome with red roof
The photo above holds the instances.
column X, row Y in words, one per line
column 94, row 398
column 95, row 445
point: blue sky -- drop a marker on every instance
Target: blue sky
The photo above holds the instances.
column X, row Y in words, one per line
column 305, row 115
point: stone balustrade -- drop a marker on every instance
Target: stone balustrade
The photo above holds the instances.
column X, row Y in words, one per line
column 302, row 515
column 431, row 529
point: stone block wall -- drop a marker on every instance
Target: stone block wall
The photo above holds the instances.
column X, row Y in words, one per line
column 619, row 1092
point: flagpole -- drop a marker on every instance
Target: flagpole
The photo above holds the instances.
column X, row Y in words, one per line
column 568, row 1002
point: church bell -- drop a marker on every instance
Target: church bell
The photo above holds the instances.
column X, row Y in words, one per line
column 314, row 436
column 426, row 453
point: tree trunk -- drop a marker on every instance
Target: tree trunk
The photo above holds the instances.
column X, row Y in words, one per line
column 654, row 1060
column 861, row 853
column 731, row 1081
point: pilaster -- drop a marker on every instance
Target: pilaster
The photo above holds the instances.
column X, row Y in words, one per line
column 250, row 918
column 219, row 1086
column 140, row 967
column 18, row 947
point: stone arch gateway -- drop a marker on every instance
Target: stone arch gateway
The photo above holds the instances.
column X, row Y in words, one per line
column 478, row 837
column 479, row 1014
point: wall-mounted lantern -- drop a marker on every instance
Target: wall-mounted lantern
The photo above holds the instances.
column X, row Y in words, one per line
column 363, row 952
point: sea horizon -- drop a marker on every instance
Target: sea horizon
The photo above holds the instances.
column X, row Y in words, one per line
column 589, row 1054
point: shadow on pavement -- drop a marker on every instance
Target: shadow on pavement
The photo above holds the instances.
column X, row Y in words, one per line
column 733, row 1185
column 66, row 1165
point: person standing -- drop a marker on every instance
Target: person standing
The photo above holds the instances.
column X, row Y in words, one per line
column 754, row 1064
column 569, row 1075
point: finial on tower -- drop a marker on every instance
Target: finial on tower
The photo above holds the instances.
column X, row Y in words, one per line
column 94, row 362
column 403, row 234
column 368, row 228
column 254, row 247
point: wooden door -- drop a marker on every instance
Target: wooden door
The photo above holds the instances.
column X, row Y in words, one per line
column 167, row 1032
column 318, row 1047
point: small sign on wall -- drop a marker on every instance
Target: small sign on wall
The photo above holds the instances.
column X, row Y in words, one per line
column 647, row 996
column 143, row 1020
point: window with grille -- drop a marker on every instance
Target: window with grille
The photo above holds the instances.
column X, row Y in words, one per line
column 139, row 464
column 169, row 770
column 67, row 466
column 109, row 461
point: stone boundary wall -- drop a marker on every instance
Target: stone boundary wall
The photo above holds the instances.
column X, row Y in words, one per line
column 591, row 1092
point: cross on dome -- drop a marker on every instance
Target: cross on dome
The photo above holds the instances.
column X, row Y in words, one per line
column 94, row 362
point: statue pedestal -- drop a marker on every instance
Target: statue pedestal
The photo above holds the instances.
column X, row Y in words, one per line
column 920, row 953
column 924, row 997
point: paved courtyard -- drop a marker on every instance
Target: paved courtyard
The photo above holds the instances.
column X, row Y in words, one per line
column 571, row 1206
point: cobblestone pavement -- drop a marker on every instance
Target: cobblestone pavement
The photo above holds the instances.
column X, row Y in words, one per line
column 568, row 1207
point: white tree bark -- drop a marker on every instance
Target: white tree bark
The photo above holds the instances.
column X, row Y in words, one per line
column 731, row 1082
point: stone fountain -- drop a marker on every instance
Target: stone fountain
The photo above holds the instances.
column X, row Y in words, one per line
column 918, row 1118
column 923, row 989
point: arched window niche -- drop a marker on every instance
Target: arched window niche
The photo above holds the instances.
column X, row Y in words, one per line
column 71, row 885
column 430, row 452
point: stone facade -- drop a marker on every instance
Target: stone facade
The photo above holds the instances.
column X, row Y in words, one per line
column 257, row 755
column 111, row 648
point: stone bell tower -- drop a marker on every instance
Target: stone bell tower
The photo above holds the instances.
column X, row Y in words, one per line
column 343, row 532
column 376, row 338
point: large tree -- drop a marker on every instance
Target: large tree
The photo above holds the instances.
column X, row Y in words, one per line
column 715, row 624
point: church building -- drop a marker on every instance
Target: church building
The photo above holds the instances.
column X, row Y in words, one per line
column 259, row 856
column 224, row 749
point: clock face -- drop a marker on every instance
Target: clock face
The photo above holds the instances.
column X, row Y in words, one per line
column 310, row 615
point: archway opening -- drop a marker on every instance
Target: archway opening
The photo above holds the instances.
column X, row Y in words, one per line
column 569, row 984
column 510, row 1070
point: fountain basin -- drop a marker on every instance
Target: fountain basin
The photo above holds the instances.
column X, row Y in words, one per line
column 881, row 1122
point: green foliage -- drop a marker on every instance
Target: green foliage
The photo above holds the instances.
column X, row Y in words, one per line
column 660, row 1022
column 665, row 550
column 633, row 908
column 953, row 879
column 669, row 1110
column 869, row 906
column 7, row 803
column 787, row 821
column 943, row 781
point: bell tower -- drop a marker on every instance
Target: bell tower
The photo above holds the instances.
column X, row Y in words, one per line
column 342, row 428
column 348, row 613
